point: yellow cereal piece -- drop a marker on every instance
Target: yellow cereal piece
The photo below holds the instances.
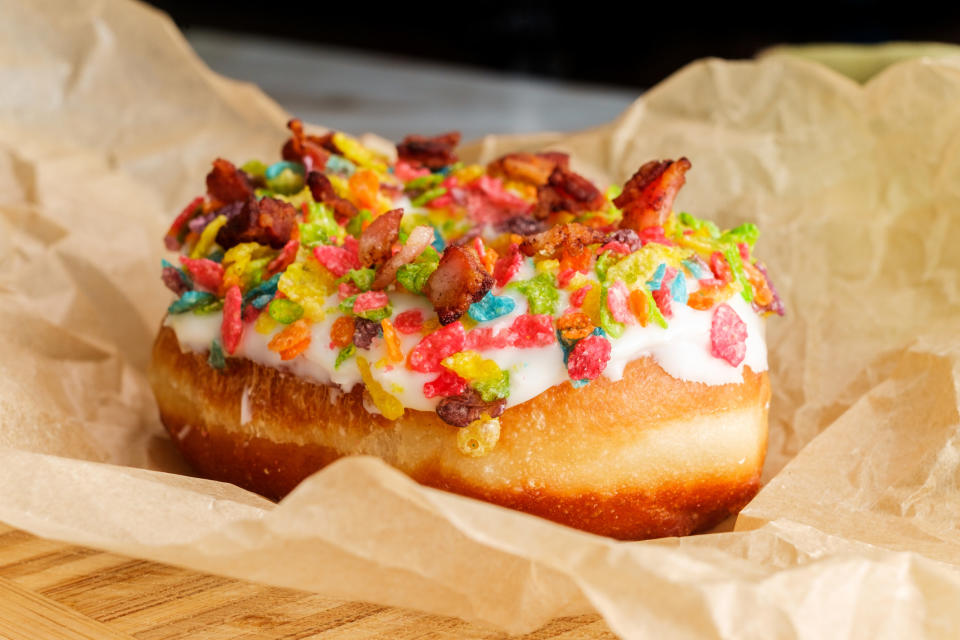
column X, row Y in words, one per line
column 389, row 406
column 591, row 303
column 359, row 154
column 265, row 323
column 308, row 284
column 479, row 438
column 202, row 248
column 641, row 265
column 548, row 266
column 469, row 173
column 340, row 184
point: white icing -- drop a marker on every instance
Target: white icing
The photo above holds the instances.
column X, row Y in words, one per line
column 682, row 350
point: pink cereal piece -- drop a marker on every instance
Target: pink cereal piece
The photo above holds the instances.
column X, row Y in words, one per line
column 588, row 358
column 662, row 298
column 284, row 259
column 407, row 172
column 483, row 338
column 337, row 259
column 370, row 300
column 576, row 298
column 564, row 277
column 654, row 234
column 744, row 250
column 207, row 274
column 728, row 335
column 618, row 297
column 532, row 330
column 479, row 247
column 445, row 341
column 231, row 329
column 446, row 384
column 409, row 321
column 508, row 265
column 346, row 289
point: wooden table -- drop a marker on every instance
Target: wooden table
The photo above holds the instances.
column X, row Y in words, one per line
column 52, row 590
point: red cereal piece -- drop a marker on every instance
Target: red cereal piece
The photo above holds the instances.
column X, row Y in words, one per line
column 720, row 268
column 250, row 313
column 446, row 384
column 171, row 240
column 409, row 321
column 446, row 341
column 662, row 298
column 615, row 246
column 483, row 338
column 207, row 274
column 744, row 250
column 346, row 289
column 618, row 297
column 231, row 329
column 337, row 259
column 284, row 259
column 407, row 172
column 565, row 276
column 588, row 358
column 532, row 330
column 728, row 335
column 654, row 234
column 508, row 265
column 576, row 298
column 369, row 301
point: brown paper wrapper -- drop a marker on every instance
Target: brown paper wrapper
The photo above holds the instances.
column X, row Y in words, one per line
column 108, row 123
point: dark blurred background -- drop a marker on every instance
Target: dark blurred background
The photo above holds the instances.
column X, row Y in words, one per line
column 615, row 52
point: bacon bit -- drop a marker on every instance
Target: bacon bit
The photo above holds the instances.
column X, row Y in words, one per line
column 647, row 197
column 459, row 281
column 570, row 238
column 418, row 240
column 463, row 409
column 323, row 191
column 284, row 259
column 376, row 241
column 226, row 183
column 567, row 191
column 309, row 151
column 172, row 239
column 268, row 221
column 530, row 168
column 433, row 153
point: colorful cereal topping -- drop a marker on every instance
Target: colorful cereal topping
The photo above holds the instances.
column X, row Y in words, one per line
column 440, row 269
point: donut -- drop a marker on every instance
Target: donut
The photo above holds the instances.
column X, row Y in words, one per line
column 508, row 332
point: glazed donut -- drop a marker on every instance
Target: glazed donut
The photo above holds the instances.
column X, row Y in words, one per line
column 508, row 333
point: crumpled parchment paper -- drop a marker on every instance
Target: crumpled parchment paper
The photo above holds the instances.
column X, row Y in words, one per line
column 108, row 123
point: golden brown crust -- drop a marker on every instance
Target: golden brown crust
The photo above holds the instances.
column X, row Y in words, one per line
column 643, row 457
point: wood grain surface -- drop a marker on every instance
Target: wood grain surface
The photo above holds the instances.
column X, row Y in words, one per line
column 51, row 590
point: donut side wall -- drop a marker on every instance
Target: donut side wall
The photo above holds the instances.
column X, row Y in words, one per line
column 643, row 457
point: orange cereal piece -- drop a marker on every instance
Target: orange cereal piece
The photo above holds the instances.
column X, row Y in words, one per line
column 574, row 326
column 761, row 292
column 295, row 350
column 365, row 188
column 341, row 333
column 639, row 305
column 290, row 337
column 489, row 259
column 706, row 297
column 576, row 262
column 392, row 340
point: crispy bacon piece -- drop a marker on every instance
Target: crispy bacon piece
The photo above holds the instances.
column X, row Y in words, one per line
column 531, row 168
column 463, row 409
column 323, row 191
column 567, row 191
column 378, row 238
column 310, row 151
column 226, row 183
column 571, row 238
column 419, row 239
column 433, row 153
column 267, row 221
column 647, row 197
column 459, row 281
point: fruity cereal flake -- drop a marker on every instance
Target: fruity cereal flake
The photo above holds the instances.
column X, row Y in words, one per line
column 455, row 288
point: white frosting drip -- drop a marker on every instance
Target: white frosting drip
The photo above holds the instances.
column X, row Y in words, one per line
column 682, row 350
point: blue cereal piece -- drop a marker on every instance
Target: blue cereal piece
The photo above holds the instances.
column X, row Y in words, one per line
column 438, row 242
column 266, row 289
column 654, row 283
column 339, row 164
column 277, row 168
column 491, row 307
column 216, row 359
column 190, row 300
column 678, row 288
column 697, row 269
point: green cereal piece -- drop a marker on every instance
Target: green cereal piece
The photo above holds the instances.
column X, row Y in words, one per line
column 732, row 255
column 321, row 227
column 613, row 328
column 362, row 278
column 216, row 359
column 344, row 354
column 606, row 260
column 355, row 224
column 424, row 182
column 540, row 292
column 747, row 232
column 427, row 196
column 284, row 310
column 255, row 169
column 346, row 305
column 414, row 275
column 209, row 307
